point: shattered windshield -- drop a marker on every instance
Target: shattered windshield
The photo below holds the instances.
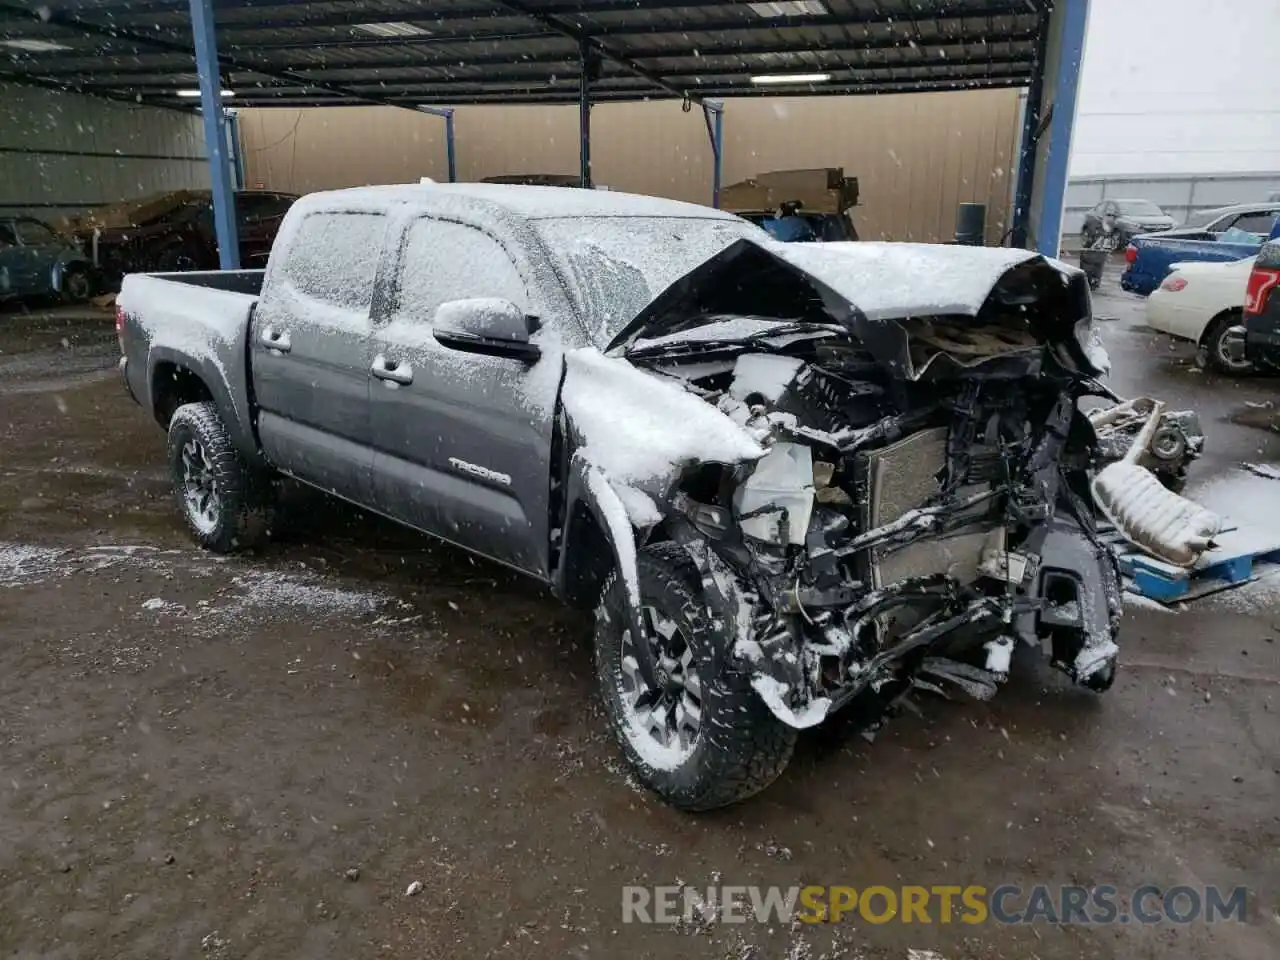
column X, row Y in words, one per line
column 615, row 265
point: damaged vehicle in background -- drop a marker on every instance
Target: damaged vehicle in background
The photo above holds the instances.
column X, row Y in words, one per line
column 797, row 206
column 791, row 479
column 173, row 231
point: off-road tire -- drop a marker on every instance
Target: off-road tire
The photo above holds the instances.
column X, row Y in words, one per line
column 244, row 496
column 1210, row 345
column 742, row 747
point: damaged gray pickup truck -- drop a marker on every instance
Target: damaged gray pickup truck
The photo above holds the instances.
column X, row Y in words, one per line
column 789, row 479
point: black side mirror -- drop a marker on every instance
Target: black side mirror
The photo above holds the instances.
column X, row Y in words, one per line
column 486, row 325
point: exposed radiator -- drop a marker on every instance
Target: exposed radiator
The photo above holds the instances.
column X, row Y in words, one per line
column 902, row 477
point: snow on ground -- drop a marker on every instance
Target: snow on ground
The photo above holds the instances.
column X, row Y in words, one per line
column 24, row 563
column 249, row 591
column 1138, row 601
column 1250, row 504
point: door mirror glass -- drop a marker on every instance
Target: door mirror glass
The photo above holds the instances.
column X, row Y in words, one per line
column 486, row 325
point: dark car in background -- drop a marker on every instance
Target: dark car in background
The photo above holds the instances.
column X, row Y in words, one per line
column 1132, row 218
column 175, row 231
column 36, row 262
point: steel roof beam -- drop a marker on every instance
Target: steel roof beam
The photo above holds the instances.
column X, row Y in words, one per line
column 440, row 88
column 571, row 56
column 97, row 29
column 1005, row 8
column 124, row 77
column 591, row 45
column 570, row 96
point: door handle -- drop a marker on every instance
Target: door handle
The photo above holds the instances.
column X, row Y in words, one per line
column 391, row 371
column 274, row 339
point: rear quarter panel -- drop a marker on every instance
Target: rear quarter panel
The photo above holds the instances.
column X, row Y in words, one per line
column 173, row 318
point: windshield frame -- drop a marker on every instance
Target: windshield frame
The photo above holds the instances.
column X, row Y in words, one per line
column 560, row 253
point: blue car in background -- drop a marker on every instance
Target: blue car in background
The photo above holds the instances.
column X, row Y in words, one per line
column 1150, row 257
column 36, row 262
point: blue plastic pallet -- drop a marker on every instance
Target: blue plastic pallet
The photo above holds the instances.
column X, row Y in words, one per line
column 1224, row 567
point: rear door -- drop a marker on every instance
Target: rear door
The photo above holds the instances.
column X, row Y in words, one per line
column 309, row 345
column 464, row 440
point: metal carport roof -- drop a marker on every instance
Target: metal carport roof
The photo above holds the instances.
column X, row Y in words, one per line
column 325, row 52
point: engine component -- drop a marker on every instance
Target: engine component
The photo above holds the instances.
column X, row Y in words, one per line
column 774, row 503
column 1158, row 520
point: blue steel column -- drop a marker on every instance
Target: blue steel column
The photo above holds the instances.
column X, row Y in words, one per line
column 237, row 153
column 1031, row 133
column 1072, row 17
column 715, row 133
column 449, row 151
column 588, row 63
column 215, row 133
column 450, row 154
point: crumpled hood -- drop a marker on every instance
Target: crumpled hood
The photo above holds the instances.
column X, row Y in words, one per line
column 865, row 287
column 890, row 281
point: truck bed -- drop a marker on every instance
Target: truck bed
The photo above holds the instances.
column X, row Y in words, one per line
column 192, row 321
column 1156, row 255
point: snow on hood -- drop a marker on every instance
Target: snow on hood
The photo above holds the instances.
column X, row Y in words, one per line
column 895, row 280
column 638, row 428
column 870, row 290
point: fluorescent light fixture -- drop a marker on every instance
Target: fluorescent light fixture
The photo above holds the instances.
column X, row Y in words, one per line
column 196, row 93
column 790, row 8
column 34, row 46
column 394, row 29
column 791, row 78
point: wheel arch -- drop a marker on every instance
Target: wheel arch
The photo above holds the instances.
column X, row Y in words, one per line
column 172, row 384
column 176, row 376
column 1223, row 314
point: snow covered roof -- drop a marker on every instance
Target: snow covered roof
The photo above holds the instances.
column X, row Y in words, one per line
column 526, row 202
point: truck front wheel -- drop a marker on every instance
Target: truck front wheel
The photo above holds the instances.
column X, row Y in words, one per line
column 698, row 739
column 225, row 502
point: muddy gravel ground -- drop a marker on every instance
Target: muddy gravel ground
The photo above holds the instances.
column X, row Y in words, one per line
column 255, row 757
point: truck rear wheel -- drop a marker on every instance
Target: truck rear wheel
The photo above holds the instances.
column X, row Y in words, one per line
column 227, row 505
column 698, row 739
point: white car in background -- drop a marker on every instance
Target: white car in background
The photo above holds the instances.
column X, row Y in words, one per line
column 1204, row 303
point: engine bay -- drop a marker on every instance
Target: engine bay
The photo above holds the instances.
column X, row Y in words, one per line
column 898, row 533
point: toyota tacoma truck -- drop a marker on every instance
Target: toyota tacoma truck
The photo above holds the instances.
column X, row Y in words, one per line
column 788, row 478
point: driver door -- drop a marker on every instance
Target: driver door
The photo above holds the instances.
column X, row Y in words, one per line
column 462, row 440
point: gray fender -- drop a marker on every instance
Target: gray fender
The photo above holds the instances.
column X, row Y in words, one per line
column 232, row 402
column 588, row 489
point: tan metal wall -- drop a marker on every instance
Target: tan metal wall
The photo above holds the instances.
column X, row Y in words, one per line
column 916, row 156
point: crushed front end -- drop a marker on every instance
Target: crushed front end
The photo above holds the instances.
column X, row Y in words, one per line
column 921, row 508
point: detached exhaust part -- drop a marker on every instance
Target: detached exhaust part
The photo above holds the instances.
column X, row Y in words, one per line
column 1148, row 515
